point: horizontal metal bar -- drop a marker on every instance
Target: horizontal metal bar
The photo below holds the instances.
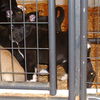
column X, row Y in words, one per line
column 24, row 73
column 94, row 32
column 94, row 40
column 95, row 83
column 28, row 86
column 41, row 74
column 96, row 13
column 92, row 58
column 24, row 22
column 24, row 48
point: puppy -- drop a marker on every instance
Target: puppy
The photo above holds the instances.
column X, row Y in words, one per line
column 31, row 39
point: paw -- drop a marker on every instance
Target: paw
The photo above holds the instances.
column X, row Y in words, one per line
column 65, row 77
column 43, row 71
column 88, row 46
column 34, row 79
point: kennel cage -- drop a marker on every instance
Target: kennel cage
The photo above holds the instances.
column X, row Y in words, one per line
column 24, row 84
column 12, row 73
column 74, row 44
column 12, row 84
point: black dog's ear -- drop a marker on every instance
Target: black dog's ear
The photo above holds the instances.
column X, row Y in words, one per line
column 60, row 14
column 16, row 15
column 31, row 16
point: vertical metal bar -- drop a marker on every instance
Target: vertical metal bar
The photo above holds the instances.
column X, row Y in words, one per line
column 24, row 30
column 37, row 34
column 52, row 45
column 12, row 50
column 77, row 48
column 84, row 5
column 1, row 65
column 71, row 6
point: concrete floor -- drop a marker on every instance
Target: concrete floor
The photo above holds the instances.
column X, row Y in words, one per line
column 33, row 98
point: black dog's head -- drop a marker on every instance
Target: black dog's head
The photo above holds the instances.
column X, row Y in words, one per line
column 22, row 23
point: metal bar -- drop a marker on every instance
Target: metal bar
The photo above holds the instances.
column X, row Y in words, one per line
column 94, row 58
column 84, row 5
column 94, row 40
column 96, row 83
column 27, row 85
column 71, row 6
column 37, row 35
column 95, row 32
column 24, row 73
column 24, row 48
column 24, row 22
column 52, row 46
column 77, row 48
column 24, row 30
column 12, row 51
column 0, row 65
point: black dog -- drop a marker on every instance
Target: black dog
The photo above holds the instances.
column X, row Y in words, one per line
column 31, row 40
column 17, row 37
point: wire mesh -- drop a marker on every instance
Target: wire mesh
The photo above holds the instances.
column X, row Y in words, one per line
column 25, row 49
column 93, row 40
column 24, row 29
